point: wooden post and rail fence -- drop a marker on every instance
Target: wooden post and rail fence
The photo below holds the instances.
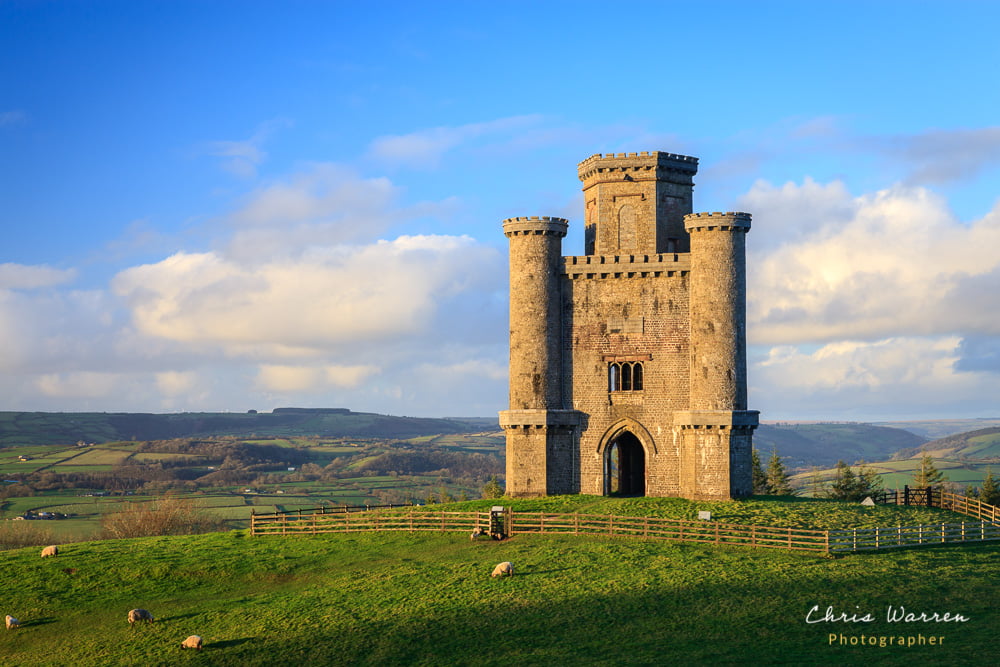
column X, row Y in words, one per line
column 420, row 518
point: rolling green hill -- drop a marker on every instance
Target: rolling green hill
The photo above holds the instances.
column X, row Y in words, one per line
column 428, row 599
column 982, row 444
column 802, row 446
column 48, row 428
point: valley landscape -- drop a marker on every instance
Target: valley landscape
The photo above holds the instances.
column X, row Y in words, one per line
column 425, row 598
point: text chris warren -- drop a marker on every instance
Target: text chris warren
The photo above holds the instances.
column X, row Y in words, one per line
column 892, row 615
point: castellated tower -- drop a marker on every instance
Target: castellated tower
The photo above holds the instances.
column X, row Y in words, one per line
column 628, row 363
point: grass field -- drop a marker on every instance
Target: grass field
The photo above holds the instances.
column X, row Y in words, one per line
column 427, row 599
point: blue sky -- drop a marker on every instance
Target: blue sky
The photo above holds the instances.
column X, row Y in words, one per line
column 235, row 205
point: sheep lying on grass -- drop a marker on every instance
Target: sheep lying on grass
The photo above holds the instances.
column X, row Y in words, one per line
column 476, row 533
column 52, row 550
column 138, row 615
column 194, row 641
column 504, row 568
column 12, row 622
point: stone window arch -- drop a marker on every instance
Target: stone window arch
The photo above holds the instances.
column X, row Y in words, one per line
column 625, row 376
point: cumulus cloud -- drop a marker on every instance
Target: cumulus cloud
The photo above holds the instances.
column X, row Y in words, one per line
column 878, row 302
column 328, row 298
column 24, row 276
column 295, row 379
column 891, row 263
column 893, row 378
column 174, row 383
column 425, row 148
column 322, row 204
column 83, row 384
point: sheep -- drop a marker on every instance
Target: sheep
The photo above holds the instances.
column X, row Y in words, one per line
column 476, row 533
column 504, row 568
column 51, row 550
column 137, row 615
column 12, row 622
column 194, row 641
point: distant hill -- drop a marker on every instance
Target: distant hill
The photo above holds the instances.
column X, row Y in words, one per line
column 822, row 445
column 983, row 444
column 46, row 428
column 942, row 428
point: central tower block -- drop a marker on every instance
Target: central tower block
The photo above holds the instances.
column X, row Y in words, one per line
column 635, row 203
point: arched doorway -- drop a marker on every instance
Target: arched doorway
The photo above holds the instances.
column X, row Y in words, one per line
column 625, row 467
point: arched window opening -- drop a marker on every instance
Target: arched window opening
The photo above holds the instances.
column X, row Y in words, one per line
column 625, row 376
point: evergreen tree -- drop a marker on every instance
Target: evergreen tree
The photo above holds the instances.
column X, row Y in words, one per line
column 817, row 488
column 777, row 477
column 926, row 474
column 869, row 482
column 492, row 488
column 844, row 485
column 760, row 487
column 990, row 491
column 971, row 491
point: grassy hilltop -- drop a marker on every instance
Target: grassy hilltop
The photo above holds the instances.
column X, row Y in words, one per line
column 427, row 598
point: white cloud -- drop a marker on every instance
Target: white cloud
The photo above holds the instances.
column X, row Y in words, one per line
column 883, row 379
column 892, row 263
column 175, row 383
column 321, row 205
column 943, row 155
column 425, row 148
column 242, row 157
column 299, row 379
column 83, row 384
column 23, row 276
column 328, row 298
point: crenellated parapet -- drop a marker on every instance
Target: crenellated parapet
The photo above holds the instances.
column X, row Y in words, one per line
column 731, row 221
column 535, row 225
column 646, row 163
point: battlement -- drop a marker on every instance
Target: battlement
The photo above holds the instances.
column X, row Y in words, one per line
column 732, row 220
column 661, row 161
column 626, row 266
column 542, row 225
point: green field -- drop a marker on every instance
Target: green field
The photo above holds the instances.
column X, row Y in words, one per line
column 428, row 599
column 959, row 473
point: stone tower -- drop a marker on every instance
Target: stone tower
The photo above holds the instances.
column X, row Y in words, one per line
column 628, row 363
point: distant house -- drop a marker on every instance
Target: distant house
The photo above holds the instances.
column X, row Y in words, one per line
column 23, row 457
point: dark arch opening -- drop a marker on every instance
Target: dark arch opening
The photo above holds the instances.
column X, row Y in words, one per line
column 625, row 463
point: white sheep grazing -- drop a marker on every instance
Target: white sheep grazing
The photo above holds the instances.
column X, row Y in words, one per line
column 194, row 641
column 476, row 533
column 12, row 622
column 504, row 568
column 137, row 615
column 52, row 550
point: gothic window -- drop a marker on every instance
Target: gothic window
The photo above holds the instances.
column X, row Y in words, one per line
column 625, row 376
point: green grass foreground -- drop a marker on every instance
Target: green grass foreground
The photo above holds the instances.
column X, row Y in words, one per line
column 428, row 599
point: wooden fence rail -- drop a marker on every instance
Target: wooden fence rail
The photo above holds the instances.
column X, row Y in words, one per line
column 868, row 539
column 296, row 523
column 414, row 518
